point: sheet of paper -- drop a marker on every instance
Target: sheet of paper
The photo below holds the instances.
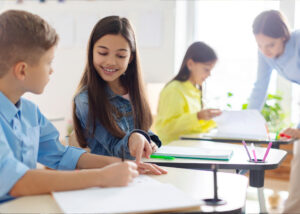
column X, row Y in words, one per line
column 143, row 195
column 248, row 124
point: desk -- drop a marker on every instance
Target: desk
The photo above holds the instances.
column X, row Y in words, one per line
column 238, row 161
column 195, row 183
column 275, row 143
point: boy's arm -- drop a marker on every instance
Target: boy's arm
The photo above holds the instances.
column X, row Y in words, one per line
column 92, row 161
column 45, row 181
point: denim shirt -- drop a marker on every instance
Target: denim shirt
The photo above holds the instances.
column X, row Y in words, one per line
column 103, row 142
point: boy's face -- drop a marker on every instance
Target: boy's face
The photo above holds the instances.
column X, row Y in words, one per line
column 38, row 74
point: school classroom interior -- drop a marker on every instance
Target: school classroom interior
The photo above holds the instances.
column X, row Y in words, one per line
column 164, row 29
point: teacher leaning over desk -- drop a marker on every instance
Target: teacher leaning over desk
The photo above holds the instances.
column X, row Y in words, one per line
column 279, row 49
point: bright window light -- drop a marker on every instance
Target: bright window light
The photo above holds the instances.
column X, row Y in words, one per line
column 226, row 25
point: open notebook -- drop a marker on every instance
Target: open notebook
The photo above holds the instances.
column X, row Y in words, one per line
column 143, row 195
column 194, row 152
column 244, row 124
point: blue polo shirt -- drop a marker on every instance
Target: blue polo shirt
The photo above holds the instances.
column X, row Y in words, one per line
column 27, row 137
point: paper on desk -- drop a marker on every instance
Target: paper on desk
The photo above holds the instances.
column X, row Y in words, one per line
column 247, row 124
column 143, row 195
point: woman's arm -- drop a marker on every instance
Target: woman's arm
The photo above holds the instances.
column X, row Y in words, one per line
column 259, row 92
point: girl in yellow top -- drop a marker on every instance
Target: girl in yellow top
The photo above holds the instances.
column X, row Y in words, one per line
column 180, row 109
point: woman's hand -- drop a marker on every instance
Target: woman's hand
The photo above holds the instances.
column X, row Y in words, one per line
column 208, row 114
column 139, row 146
column 293, row 133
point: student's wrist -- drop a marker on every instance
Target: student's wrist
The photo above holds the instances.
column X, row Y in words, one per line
column 145, row 134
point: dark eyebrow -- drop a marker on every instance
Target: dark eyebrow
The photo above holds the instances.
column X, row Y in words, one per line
column 121, row 49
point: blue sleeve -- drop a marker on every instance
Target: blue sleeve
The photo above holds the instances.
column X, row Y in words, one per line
column 51, row 152
column 113, row 145
column 259, row 92
column 11, row 170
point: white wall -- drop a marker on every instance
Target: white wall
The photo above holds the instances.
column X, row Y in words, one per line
column 153, row 21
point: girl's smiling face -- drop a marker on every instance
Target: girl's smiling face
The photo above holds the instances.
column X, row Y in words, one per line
column 111, row 56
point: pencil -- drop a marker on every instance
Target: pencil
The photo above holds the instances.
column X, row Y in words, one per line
column 123, row 154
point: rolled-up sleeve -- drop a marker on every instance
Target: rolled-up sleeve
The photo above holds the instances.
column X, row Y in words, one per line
column 11, row 170
column 51, row 152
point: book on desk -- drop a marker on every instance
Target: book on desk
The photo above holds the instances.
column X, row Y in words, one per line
column 194, row 153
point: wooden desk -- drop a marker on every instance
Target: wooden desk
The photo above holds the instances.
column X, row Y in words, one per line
column 197, row 184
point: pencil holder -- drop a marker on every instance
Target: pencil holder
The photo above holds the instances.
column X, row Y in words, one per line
column 258, row 161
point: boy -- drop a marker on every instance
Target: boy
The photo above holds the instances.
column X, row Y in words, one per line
column 27, row 46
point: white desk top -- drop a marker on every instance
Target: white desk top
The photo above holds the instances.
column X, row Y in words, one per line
column 239, row 159
column 195, row 183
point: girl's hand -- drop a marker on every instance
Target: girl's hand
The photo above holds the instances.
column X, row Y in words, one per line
column 294, row 133
column 139, row 146
column 208, row 114
column 148, row 168
column 118, row 174
column 153, row 146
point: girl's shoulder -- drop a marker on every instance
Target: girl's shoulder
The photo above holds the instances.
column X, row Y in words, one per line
column 81, row 97
column 172, row 87
column 295, row 35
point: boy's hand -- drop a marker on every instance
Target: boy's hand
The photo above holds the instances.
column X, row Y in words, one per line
column 148, row 168
column 139, row 146
column 208, row 114
column 118, row 174
column 293, row 133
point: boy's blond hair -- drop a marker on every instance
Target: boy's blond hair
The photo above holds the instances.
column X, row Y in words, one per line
column 23, row 37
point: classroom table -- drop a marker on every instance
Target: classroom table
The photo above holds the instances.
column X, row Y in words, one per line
column 195, row 183
column 202, row 137
column 238, row 161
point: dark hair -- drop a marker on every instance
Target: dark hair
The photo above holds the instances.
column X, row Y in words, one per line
column 99, row 106
column 23, row 37
column 271, row 23
column 198, row 52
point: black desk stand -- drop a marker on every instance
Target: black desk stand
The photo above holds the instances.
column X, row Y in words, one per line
column 215, row 201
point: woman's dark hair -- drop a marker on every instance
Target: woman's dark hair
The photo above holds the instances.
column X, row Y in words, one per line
column 271, row 23
column 198, row 52
column 100, row 109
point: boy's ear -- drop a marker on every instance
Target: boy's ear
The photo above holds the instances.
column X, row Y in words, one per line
column 20, row 70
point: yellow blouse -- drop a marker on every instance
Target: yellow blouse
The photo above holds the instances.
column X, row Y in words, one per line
column 178, row 105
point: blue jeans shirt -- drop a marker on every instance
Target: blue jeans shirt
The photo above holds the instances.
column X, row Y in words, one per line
column 103, row 142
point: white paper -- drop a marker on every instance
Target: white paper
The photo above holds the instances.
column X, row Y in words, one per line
column 247, row 124
column 143, row 195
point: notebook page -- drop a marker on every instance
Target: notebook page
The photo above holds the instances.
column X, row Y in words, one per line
column 143, row 195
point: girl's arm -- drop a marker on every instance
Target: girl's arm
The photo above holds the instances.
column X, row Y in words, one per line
column 259, row 92
column 46, row 181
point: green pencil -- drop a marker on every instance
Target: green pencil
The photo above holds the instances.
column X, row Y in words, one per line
column 162, row 157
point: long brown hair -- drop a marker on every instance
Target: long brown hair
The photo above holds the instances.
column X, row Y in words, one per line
column 271, row 23
column 100, row 108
